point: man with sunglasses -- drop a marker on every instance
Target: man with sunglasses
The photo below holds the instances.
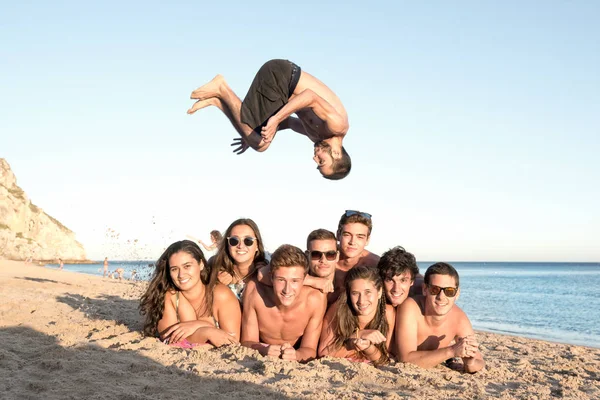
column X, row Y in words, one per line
column 280, row 89
column 322, row 253
column 283, row 321
column 431, row 328
column 321, row 249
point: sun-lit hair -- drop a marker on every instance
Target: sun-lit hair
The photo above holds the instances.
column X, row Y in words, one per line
column 354, row 219
column 346, row 318
column 287, row 255
column 341, row 168
column 397, row 261
column 320, row 234
column 223, row 262
column 216, row 235
column 441, row 268
column 152, row 303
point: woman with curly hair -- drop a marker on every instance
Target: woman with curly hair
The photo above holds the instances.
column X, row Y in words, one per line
column 359, row 326
column 239, row 252
column 182, row 306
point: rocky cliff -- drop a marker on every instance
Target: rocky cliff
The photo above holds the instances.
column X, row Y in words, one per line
column 27, row 231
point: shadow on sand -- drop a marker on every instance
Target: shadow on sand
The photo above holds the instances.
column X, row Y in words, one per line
column 34, row 365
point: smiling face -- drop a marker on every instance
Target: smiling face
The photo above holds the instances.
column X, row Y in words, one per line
column 322, row 267
column 241, row 253
column 353, row 238
column 184, row 270
column 397, row 288
column 287, row 284
column 364, row 297
column 440, row 304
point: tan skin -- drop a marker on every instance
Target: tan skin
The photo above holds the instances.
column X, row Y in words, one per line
column 276, row 318
column 364, row 294
column 353, row 238
column 431, row 329
column 242, row 255
column 321, row 117
column 185, row 272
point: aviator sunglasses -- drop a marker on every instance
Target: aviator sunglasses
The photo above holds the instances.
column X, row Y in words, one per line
column 329, row 255
column 448, row 291
column 234, row 241
column 354, row 212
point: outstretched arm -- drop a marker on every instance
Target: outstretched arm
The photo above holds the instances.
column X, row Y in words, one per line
column 336, row 123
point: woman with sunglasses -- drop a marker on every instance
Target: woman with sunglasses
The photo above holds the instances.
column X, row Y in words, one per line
column 183, row 306
column 239, row 252
column 359, row 326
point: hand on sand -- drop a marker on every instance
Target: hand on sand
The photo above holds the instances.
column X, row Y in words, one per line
column 466, row 347
column 372, row 335
column 288, row 352
column 274, row 350
column 219, row 337
column 268, row 131
column 242, row 145
column 180, row 331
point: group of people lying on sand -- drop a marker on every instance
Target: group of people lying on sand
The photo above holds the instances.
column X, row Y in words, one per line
column 334, row 299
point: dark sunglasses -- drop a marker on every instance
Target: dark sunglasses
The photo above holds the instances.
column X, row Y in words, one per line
column 448, row 291
column 234, row 241
column 329, row 255
column 354, row 212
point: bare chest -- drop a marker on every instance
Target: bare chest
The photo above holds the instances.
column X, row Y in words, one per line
column 316, row 129
column 431, row 338
column 281, row 327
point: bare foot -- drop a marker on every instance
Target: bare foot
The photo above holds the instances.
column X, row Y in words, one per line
column 200, row 104
column 211, row 89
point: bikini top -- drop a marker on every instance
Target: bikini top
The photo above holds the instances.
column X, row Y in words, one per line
column 177, row 311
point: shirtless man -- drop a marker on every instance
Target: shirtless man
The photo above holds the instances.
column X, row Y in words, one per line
column 399, row 271
column 280, row 89
column 431, row 328
column 105, row 267
column 354, row 232
column 323, row 255
column 283, row 321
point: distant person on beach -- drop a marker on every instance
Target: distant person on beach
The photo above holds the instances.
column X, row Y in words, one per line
column 183, row 306
column 400, row 274
column 119, row 271
column 105, row 267
column 215, row 239
column 61, row 264
column 431, row 329
column 280, row 89
column 240, row 251
column 359, row 326
column 284, row 321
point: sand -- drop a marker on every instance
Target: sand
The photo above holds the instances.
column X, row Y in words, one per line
column 69, row 335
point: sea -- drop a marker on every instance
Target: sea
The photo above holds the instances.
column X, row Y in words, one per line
column 558, row 302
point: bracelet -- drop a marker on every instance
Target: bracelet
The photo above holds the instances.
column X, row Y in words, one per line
column 373, row 352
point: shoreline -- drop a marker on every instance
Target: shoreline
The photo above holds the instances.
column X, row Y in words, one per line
column 68, row 334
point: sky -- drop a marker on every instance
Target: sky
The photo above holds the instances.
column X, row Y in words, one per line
column 474, row 126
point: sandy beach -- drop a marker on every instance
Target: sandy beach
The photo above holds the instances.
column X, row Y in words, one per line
column 70, row 335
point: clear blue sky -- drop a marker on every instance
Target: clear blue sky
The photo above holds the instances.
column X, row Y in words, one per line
column 474, row 126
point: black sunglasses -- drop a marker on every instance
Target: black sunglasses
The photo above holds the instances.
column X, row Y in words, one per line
column 234, row 241
column 448, row 291
column 354, row 212
column 329, row 255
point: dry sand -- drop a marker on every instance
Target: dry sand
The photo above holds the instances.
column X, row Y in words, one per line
column 69, row 335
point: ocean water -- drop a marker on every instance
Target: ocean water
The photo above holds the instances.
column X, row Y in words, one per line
column 558, row 302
